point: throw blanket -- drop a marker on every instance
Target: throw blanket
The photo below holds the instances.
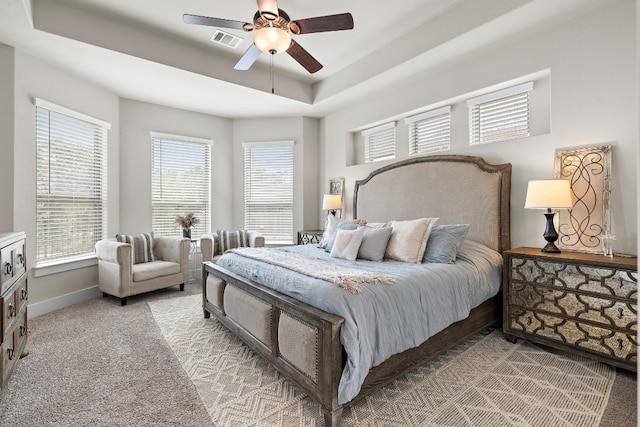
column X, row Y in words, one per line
column 347, row 278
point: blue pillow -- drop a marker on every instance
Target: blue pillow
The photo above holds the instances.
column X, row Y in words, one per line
column 341, row 226
column 374, row 243
column 443, row 243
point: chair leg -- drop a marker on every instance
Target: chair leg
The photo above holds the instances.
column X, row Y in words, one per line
column 182, row 286
column 123, row 301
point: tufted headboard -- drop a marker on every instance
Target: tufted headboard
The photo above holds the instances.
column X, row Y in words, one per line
column 456, row 189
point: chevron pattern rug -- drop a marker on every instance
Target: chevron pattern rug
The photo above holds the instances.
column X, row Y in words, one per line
column 485, row 381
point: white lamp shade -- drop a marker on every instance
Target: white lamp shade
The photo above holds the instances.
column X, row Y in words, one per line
column 272, row 39
column 332, row 202
column 549, row 194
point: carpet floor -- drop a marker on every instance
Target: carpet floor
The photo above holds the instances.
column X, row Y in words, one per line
column 97, row 363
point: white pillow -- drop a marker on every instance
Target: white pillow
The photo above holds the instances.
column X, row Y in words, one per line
column 332, row 224
column 347, row 243
column 408, row 239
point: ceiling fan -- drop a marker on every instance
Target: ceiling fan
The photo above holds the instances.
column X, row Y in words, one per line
column 272, row 26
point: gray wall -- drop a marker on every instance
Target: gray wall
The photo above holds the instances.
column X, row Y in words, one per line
column 593, row 84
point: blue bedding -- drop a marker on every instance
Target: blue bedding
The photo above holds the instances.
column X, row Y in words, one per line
column 383, row 320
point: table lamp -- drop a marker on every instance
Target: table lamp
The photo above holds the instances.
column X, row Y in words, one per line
column 549, row 194
column 331, row 203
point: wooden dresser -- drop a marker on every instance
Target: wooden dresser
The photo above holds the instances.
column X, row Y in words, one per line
column 582, row 303
column 13, row 302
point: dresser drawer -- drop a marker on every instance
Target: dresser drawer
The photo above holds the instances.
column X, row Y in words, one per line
column 10, row 356
column 12, row 263
column 9, row 309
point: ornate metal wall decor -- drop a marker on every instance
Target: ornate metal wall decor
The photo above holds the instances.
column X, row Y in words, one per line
column 582, row 227
column 336, row 186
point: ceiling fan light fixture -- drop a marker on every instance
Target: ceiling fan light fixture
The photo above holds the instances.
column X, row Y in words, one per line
column 272, row 40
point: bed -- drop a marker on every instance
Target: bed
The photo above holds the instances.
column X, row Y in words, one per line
column 304, row 332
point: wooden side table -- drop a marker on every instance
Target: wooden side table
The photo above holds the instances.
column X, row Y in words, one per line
column 307, row 237
column 581, row 303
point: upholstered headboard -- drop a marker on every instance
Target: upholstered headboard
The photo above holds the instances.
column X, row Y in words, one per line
column 456, row 189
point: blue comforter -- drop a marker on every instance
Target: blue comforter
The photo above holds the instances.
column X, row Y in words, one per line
column 383, row 320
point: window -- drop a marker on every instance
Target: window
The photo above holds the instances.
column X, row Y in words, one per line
column 71, row 183
column 268, row 190
column 430, row 131
column 180, row 182
column 500, row 115
column 380, row 142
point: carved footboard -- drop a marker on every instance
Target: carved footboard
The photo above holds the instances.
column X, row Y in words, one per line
column 309, row 353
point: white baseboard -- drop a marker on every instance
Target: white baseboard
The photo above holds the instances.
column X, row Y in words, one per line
column 42, row 307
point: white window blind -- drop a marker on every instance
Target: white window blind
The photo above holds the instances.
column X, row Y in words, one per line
column 430, row 131
column 500, row 116
column 380, row 142
column 71, row 183
column 180, row 183
column 268, row 190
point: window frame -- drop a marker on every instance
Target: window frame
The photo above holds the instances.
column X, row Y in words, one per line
column 284, row 200
column 383, row 137
column 166, row 225
column 62, row 185
column 430, row 125
column 484, row 125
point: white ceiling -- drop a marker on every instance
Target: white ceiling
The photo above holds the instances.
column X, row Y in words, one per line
column 141, row 49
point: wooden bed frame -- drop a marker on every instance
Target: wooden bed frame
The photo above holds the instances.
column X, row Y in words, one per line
column 483, row 201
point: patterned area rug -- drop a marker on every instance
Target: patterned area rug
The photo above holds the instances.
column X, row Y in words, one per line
column 485, row 381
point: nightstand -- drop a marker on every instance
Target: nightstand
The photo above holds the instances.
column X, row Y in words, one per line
column 577, row 302
column 308, row 237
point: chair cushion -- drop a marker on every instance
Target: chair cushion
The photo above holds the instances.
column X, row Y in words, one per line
column 232, row 239
column 142, row 246
column 151, row 270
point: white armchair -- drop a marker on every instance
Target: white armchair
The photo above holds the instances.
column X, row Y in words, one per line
column 211, row 247
column 120, row 277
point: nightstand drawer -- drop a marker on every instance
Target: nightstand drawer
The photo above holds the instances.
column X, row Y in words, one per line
column 606, row 281
column 582, row 335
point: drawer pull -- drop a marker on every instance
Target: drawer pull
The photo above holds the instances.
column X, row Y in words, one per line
column 21, row 258
column 11, row 353
column 529, row 320
column 23, row 330
column 23, row 294
column 11, row 312
column 620, row 312
column 8, row 268
column 620, row 344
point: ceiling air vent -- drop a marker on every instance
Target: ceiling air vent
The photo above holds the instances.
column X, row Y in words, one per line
column 226, row 39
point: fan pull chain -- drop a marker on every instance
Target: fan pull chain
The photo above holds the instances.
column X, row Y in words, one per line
column 272, row 77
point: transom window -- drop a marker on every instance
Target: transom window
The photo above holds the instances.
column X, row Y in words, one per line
column 500, row 116
column 430, row 131
column 380, row 142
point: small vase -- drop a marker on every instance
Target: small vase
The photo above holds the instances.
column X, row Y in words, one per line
column 186, row 232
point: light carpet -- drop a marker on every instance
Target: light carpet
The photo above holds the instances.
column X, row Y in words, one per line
column 486, row 381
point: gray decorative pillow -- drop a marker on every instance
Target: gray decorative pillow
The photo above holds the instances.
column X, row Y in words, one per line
column 232, row 239
column 340, row 226
column 443, row 243
column 141, row 246
column 346, row 244
column 374, row 243
column 332, row 226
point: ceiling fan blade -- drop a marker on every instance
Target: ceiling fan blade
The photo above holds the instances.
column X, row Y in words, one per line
column 319, row 24
column 303, row 57
column 248, row 58
column 213, row 22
